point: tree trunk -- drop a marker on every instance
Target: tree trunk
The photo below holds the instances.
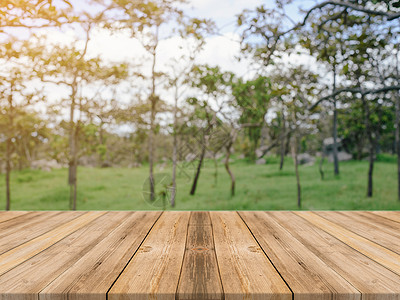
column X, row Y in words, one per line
column 151, row 153
column 8, row 171
column 215, row 169
column 321, row 162
column 72, row 165
column 228, row 155
column 282, row 145
column 397, row 119
column 27, row 154
column 397, row 141
column 8, row 147
column 153, row 100
column 360, row 147
column 370, row 171
column 296, row 168
column 378, row 133
column 335, row 147
column 174, row 150
column 371, row 146
column 197, row 175
column 287, row 146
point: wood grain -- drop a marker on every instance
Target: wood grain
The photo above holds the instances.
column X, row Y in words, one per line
column 368, row 226
column 199, row 277
column 382, row 255
column 374, row 281
column 153, row 272
column 94, row 273
column 246, row 273
column 391, row 215
column 308, row 276
column 25, row 281
column 17, row 255
column 199, row 255
column 31, row 226
column 8, row 215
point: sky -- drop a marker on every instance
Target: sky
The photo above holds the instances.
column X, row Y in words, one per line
column 222, row 49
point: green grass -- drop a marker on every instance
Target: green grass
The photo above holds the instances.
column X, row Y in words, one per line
column 258, row 187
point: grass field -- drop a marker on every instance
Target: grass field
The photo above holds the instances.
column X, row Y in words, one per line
column 258, row 187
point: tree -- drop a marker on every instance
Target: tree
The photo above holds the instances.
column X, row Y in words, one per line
column 12, row 86
column 27, row 14
column 148, row 22
column 69, row 66
column 252, row 99
column 215, row 108
column 31, row 14
column 366, row 52
column 193, row 35
column 16, row 99
column 328, row 44
column 300, row 89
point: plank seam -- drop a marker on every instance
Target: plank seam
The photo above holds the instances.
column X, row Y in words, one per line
column 50, row 245
column 295, row 238
column 215, row 255
column 183, row 259
column 133, row 255
column 61, row 274
column 280, row 275
column 50, row 229
column 362, row 236
column 383, row 217
column 27, row 212
column 387, row 268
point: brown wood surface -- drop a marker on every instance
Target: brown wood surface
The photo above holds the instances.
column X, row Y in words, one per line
column 92, row 275
column 26, row 280
column 378, row 230
column 154, row 271
column 200, row 275
column 391, row 215
column 378, row 253
column 200, row 255
column 306, row 274
column 373, row 280
column 8, row 215
column 25, row 228
column 246, row 273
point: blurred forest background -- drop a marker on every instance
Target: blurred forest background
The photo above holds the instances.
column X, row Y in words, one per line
column 311, row 123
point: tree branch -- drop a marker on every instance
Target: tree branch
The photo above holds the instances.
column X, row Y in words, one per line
column 389, row 16
column 355, row 90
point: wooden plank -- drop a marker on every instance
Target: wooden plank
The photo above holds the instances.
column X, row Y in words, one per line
column 200, row 275
column 383, row 223
column 17, row 255
column 385, row 257
column 246, row 273
column 21, row 223
column 305, row 273
column 368, row 226
column 153, row 272
column 25, row 281
column 30, row 228
column 8, row 215
column 94, row 273
column 374, row 281
column 391, row 215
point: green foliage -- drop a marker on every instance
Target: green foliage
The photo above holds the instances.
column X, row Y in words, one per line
column 252, row 99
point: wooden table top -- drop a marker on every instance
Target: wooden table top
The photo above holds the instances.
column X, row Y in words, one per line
column 199, row 255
